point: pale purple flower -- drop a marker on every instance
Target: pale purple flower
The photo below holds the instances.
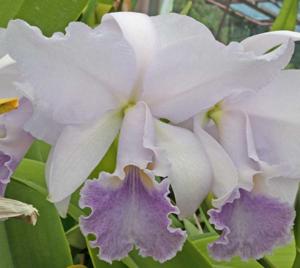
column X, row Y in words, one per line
column 123, row 76
column 253, row 144
column 14, row 141
column 109, row 79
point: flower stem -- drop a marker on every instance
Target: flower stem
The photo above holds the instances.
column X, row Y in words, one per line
column 297, row 231
column 264, row 262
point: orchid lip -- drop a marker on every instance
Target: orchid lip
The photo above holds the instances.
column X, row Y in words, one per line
column 239, row 219
column 130, row 213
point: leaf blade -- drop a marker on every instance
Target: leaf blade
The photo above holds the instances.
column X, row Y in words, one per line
column 50, row 15
column 287, row 18
column 40, row 245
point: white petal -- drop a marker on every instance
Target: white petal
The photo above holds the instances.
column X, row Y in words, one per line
column 175, row 70
column 76, row 77
column 131, row 150
column 8, row 76
column 2, row 42
column 137, row 142
column 277, row 181
column 190, row 175
column 283, row 188
column 173, row 28
column 261, row 43
column 274, row 115
column 16, row 141
column 36, row 124
column 273, row 129
column 39, row 124
column 138, row 30
column 177, row 46
column 77, row 152
column 161, row 165
column 62, row 206
column 225, row 175
column 232, row 132
column 179, row 85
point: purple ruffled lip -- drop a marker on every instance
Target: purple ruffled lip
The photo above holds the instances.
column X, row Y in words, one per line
column 7, row 166
column 132, row 212
column 252, row 226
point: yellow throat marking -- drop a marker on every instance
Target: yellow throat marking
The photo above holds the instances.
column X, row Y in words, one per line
column 8, row 104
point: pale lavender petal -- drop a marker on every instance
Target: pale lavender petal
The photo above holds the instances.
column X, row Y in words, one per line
column 14, row 141
column 252, row 225
column 130, row 212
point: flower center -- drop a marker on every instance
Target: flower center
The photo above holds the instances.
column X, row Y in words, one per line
column 127, row 106
column 215, row 113
column 137, row 174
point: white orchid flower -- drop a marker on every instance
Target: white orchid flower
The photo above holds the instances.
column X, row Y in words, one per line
column 124, row 76
column 252, row 140
column 14, row 141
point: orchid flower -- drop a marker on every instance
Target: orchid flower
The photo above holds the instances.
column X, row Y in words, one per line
column 122, row 77
column 14, row 141
column 252, row 142
column 10, row 208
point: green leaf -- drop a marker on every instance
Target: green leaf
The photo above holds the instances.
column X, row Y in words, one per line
column 6, row 258
column 108, row 162
column 8, row 10
column 101, row 10
column 107, row 2
column 31, row 173
column 89, row 16
column 76, row 238
column 265, row 262
column 191, row 229
column 280, row 257
column 186, row 8
column 39, row 151
column 202, row 244
column 283, row 256
column 287, row 18
column 190, row 256
column 95, row 10
column 49, row 15
column 97, row 263
column 43, row 245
